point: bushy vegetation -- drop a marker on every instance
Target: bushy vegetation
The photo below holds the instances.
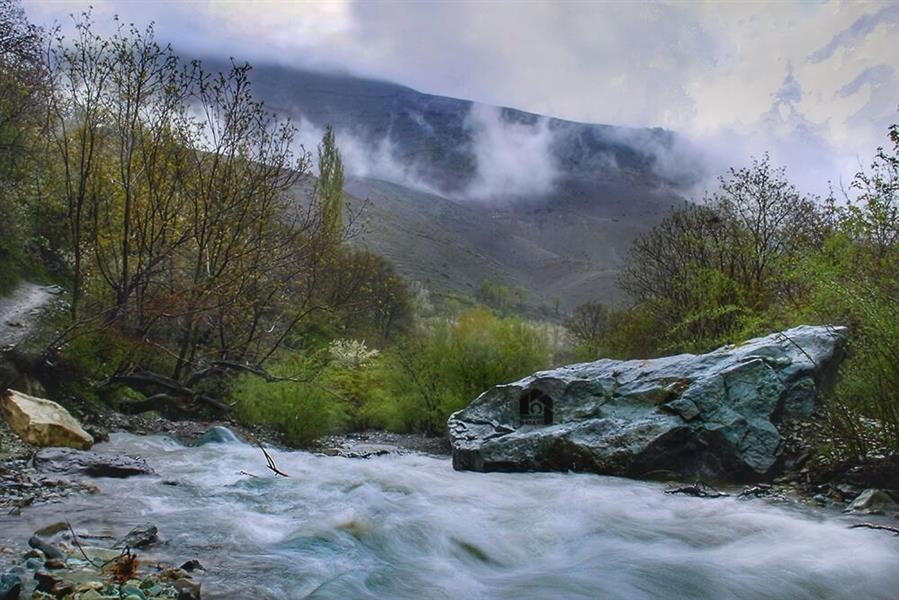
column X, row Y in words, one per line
column 411, row 386
column 453, row 360
column 757, row 256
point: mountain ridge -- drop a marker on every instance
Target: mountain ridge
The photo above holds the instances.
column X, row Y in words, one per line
column 459, row 193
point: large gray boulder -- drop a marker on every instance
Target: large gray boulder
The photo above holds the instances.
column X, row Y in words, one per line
column 713, row 416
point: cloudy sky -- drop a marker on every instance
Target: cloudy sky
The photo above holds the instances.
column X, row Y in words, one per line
column 816, row 83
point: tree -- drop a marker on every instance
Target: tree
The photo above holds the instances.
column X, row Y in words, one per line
column 79, row 73
column 772, row 220
column 712, row 272
column 373, row 299
column 329, row 187
column 22, row 101
column 852, row 280
column 588, row 323
column 186, row 236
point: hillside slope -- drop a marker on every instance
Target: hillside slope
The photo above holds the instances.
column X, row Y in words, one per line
column 459, row 193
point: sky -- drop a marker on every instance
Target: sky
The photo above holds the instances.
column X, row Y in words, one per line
column 814, row 83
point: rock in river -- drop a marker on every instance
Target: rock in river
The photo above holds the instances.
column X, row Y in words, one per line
column 42, row 422
column 66, row 461
column 218, row 435
column 712, row 415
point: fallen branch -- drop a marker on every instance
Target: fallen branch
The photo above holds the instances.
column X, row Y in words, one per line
column 221, row 367
column 761, row 490
column 80, row 547
column 173, row 389
column 698, row 490
column 271, row 461
column 893, row 530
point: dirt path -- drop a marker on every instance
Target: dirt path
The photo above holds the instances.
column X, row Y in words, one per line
column 19, row 310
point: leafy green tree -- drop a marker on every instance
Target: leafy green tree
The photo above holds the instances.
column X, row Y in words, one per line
column 853, row 279
column 329, row 187
column 588, row 325
column 713, row 273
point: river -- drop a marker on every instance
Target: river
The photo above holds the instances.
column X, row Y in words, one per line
column 409, row 526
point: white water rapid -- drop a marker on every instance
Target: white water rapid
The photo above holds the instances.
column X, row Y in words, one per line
column 409, row 526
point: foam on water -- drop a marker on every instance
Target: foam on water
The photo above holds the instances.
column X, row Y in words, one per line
column 411, row 527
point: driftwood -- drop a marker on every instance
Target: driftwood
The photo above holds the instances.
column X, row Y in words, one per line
column 893, row 530
column 269, row 461
column 698, row 490
column 175, row 394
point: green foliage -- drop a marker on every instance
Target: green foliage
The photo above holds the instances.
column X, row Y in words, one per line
column 329, row 188
column 412, row 386
column 453, row 360
column 713, row 273
column 502, row 297
column 87, row 361
column 301, row 410
column 21, row 115
column 630, row 333
column 854, row 280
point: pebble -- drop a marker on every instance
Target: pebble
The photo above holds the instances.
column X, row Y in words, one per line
column 133, row 593
column 62, row 589
column 187, row 589
column 140, row 537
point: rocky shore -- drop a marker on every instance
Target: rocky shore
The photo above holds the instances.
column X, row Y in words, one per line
column 61, row 563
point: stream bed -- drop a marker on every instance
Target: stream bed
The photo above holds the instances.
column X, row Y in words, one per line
column 409, row 526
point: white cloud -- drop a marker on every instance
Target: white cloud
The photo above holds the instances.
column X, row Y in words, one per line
column 710, row 70
column 513, row 159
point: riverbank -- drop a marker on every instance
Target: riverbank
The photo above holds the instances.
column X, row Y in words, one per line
column 825, row 484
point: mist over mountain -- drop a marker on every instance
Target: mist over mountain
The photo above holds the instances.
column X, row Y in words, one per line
column 461, row 193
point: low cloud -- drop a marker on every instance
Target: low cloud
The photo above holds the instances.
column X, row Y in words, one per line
column 361, row 158
column 513, row 159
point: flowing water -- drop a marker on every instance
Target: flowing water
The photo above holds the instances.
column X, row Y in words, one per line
column 411, row 527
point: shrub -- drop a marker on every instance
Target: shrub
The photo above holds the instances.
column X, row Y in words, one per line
column 301, row 411
column 452, row 361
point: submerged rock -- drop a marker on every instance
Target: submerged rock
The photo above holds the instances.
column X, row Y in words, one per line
column 42, row 422
column 218, row 435
column 49, row 550
column 140, row 537
column 713, row 415
column 72, row 462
